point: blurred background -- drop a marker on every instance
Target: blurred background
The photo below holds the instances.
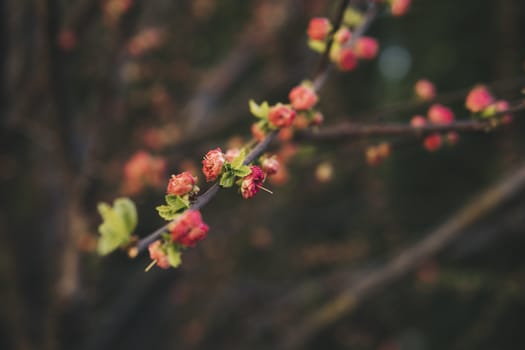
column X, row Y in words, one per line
column 95, row 92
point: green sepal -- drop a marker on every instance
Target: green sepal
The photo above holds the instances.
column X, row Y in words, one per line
column 174, row 256
column 227, row 179
column 488, row 112
column 260, row 111
column 118, row 223
column 317, row 45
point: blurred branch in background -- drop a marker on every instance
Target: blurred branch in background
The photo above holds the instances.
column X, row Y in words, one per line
column 342, row 304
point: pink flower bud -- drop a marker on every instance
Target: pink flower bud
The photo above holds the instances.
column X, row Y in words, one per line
column 425, row 90
column 156, row 253
column 252, row 182
column 342, row 35
column 281, row 116
column 212, row 164
column 270, row 165
column 366, row 48
column 319, row 28
column 399, row 7
column 452, row 138
column 257, row 132
column 231, row 154
column 478, row 99
column 502, row 106
column 302, row 97
column 439, row 114
column 143, row 169
column 418, row 121
column 189, row 229
column 181, row 184
column 301, row 122
column 432, row 142
column 285, row 134
column 317, row 119
column 346, row 59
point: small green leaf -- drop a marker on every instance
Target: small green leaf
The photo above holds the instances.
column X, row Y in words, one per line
column 237, row 161
column 174, row 256
column 177, row 202
column 227, row 180
column 265, row 109
column 260, row 111
column 118, row 223
column 242, row 171
column 127, row 211
column 166, row 212
column 317, row 46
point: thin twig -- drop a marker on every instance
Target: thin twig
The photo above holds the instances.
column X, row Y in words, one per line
column 346, row 129
column 202, row 200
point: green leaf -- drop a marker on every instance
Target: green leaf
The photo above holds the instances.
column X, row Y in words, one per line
column 260, row 111
column 118, row 223
column 237, row 161
column 127, row 211
column 167, row 212
column 316, row 45
column 242, row 171
column 227, row 180
column 177, row 202
column 174, row 256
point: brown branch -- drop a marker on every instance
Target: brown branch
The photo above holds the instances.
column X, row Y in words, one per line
column 202, row 200
column 346, row 302
column 347, row 129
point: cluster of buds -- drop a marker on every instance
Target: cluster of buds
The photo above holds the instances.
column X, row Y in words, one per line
column 186, row 227
column 437, row 115
column 482, row 104
column 230, row 169
column 300, row 113
column 184, row 232
column 345, row 51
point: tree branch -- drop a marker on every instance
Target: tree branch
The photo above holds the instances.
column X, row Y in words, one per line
column 347, row 129
column 318, row 80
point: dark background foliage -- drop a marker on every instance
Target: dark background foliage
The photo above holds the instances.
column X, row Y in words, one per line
column 73, row 113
